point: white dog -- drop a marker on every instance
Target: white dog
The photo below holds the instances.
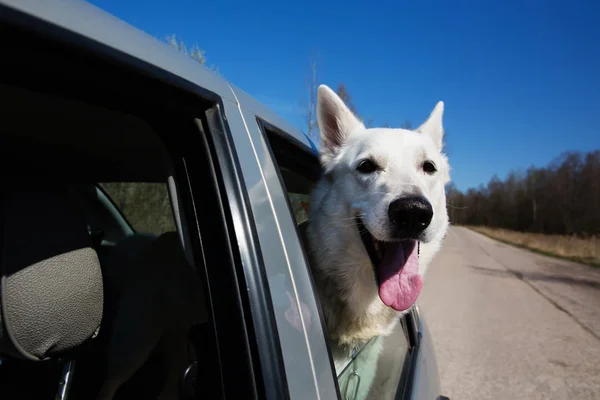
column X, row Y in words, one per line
column 377, row 217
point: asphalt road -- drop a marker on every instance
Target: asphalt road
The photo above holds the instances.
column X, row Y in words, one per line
column 511, row 324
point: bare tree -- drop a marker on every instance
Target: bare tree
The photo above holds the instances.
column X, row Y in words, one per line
column 311, row 113
column 311, row 88
column 345, row 96
column 195, row 52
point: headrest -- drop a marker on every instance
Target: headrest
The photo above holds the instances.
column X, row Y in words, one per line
column 51, row 292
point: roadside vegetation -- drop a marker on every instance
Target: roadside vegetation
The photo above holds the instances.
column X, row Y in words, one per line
column 569, row 247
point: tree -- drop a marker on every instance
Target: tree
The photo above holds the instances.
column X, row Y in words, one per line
column 311, row 117
column 561, row 198
column 311, row 89
column 312, row 128
column 195, row 52
column 345, row 96
column 407, row 125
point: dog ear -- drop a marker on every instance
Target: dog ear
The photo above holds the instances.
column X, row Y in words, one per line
column 336, row 122
column 433, row 126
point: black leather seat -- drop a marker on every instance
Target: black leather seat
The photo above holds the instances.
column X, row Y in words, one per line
column 51, row 292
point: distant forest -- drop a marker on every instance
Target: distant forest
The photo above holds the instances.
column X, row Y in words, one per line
column 561, row 198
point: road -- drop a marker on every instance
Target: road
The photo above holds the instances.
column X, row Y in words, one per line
column 511, row 324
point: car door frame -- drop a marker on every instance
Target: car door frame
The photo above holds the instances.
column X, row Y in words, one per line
column 305, row 377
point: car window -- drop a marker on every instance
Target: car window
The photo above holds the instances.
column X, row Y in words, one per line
column 376, row 369
column 145, row 205
column 299, row 203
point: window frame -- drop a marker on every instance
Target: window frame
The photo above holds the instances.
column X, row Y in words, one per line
column 236, row 208
column 296, row 156
column 302, row 157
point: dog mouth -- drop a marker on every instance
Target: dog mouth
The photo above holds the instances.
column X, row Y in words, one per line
column 396, row 267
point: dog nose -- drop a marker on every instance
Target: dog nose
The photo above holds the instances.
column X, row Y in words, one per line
column 410, row 215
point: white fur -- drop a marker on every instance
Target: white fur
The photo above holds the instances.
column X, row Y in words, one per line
column 343, row 272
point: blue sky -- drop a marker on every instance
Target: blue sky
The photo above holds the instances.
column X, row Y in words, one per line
column 520, row 79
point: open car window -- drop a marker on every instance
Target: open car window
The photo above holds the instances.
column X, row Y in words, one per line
column 378, row 368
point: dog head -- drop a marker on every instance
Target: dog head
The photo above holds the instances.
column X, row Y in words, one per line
column 392, row 182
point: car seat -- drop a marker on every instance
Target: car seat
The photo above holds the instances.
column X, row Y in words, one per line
column 51, row 290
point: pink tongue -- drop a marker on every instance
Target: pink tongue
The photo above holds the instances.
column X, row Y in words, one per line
column 399, row 279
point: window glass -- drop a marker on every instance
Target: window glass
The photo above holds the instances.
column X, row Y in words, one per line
column 299, row 202
column 146, row 206
column 375, row 370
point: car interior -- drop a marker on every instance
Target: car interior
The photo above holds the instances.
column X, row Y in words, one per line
column 70, row 259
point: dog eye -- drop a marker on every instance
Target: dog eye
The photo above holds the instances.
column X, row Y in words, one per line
column 367, row 167
column 429, row 167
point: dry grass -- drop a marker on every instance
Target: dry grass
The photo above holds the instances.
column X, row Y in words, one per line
column 573, row 248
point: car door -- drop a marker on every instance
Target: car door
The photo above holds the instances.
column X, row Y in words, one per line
column 289, row 166
column 304, row 379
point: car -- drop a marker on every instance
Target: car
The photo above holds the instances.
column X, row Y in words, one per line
column 142, row 140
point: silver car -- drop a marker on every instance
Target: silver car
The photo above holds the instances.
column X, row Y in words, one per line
column 143, row 141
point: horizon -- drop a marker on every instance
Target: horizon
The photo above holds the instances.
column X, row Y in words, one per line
column 519, row 82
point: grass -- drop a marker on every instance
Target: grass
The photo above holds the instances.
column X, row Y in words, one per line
column 573, row 248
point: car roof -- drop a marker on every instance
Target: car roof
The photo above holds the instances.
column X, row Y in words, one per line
column 87, row 20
